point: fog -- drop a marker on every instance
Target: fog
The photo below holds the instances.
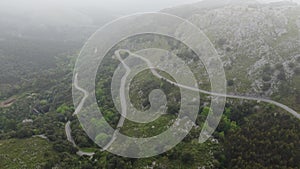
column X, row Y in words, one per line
column 83, row 12
column 116, row 6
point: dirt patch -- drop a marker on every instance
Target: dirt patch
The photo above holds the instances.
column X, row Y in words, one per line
column 8, row 102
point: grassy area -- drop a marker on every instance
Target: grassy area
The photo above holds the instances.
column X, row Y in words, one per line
column 25, row 153
column 89, row 149
column 151, row 129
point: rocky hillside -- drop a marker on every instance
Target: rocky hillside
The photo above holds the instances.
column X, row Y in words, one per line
column 258, row 43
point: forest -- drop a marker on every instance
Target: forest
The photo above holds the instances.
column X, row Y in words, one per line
column 36, row 104
column 250, row 134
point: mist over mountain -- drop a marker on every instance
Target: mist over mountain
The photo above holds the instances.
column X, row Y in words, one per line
column 258, row 43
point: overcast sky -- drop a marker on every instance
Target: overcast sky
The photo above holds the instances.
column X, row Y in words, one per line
column 68, row 10
column 107, row 5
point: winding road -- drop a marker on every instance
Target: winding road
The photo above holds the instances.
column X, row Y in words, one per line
column 71, row 140
column 86, row 95
column 291, row 111
column 123, row 101
column 68, row 133
column 68, row 124
column 155, row 73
